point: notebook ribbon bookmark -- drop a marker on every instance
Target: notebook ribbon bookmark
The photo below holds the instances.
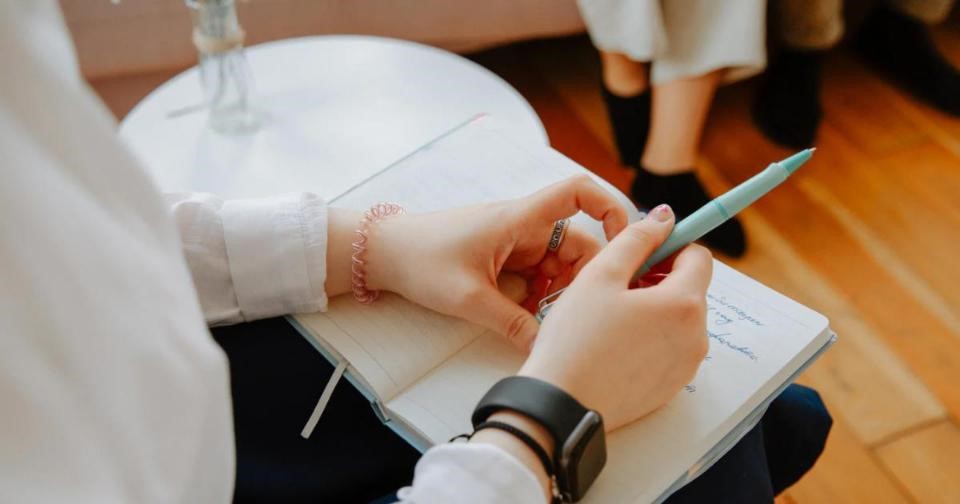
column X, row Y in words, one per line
column 324, row 399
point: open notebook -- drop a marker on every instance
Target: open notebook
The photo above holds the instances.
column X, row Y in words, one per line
column 424, row 372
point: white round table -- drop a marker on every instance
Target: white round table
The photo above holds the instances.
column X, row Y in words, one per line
column 337, row 109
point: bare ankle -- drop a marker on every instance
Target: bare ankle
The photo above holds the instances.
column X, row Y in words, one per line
column 623, row 86
column 623, row 76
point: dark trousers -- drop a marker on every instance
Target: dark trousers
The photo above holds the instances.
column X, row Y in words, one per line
column 277, row 377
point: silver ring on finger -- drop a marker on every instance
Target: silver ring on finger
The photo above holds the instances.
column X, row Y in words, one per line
column 556, row 237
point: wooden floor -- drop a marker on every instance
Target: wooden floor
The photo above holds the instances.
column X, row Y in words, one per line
column 867, row 233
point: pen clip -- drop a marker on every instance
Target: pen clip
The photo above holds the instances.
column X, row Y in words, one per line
column 546, row 303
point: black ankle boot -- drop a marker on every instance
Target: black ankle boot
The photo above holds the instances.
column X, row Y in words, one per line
column 899, row 47
column 685, row 194
column 630, row 120
column 787, row 107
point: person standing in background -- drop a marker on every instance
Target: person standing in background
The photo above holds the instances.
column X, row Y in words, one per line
column 661, row 64
column 894, row 40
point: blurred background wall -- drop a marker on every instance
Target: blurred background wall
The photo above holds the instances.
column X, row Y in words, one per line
column 155, row 34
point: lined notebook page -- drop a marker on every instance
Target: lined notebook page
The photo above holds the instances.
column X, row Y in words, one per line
column 440, row 405
column 758, row 338
column 393, row 343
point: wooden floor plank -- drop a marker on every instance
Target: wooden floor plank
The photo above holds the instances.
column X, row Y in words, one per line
column 851, row 95
column 926, row 463
column 878, row 248
column 929, row 173
column 943, row 128
column 940, row 127
column 847, row 473
column 911, row 198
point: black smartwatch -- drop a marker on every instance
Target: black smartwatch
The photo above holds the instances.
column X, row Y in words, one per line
column 581, row 449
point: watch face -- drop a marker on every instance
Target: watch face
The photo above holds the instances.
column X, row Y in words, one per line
column 583, row 456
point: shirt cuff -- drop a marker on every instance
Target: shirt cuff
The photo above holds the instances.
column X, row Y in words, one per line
column 471, row 473
column 276, row 248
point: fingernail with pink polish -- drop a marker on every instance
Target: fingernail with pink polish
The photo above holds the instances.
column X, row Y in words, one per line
column 662, row 213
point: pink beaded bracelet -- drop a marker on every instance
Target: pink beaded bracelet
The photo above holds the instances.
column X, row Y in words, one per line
column 375, row 214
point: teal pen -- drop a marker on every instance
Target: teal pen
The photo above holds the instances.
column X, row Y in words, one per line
column 713, row 214
column 724, row 207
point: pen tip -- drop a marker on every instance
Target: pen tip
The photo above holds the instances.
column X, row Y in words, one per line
column 796, row 161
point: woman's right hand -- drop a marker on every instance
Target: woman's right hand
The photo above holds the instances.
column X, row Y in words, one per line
column 625, row 352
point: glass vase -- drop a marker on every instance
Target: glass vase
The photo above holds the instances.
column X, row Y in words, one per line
column 224, row 73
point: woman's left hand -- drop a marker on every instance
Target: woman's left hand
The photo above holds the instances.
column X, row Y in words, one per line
column 450, row 261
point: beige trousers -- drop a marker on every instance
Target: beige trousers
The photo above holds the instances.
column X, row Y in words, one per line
column 818, row 24
column 681, row 38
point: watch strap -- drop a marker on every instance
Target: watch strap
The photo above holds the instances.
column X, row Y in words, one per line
column 552, row 407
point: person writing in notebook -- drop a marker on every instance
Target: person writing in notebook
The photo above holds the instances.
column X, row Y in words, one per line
column 113, row 390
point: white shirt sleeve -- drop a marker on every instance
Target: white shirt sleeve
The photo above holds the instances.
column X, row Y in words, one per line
column 471, row 473
column 254, row 258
